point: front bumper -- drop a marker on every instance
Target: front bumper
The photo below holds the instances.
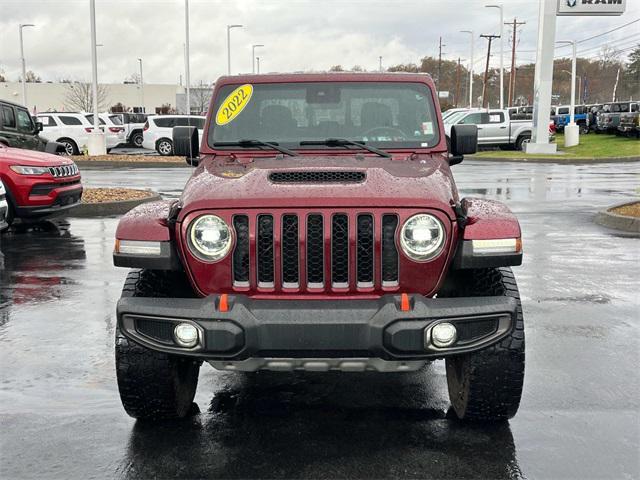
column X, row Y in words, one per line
column 377, row 328
column 63, row 200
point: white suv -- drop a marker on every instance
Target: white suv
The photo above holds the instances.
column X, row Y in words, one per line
column 4, row 207
column 113, row 129
column 158, row 131
column 71, row 130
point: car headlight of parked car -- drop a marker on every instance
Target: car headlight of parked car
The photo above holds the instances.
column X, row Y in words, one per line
column 26, row 170
column 209, row 238
column 422, row 237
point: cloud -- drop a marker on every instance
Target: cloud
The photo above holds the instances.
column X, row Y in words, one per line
column 298, row 34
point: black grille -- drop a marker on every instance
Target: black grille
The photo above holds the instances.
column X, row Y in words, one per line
column 159, row 330
column 265, row 249
column 472, row 331
column 340, row 250
column 290, row 245
column 389, row 250
column 365, row 249
column 45, row 189
column 315, row 250
column 64, row 170
column 317, row 177
column 241, row 252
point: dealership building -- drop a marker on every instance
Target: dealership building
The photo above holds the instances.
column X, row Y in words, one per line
column 43, row 97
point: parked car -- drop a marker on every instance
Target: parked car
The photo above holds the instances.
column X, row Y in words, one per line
column 158, row 130
column 495, row 128
column 4, row 208
column 19, row 130
column 133, row 124
column 38, row 184
column 68, row 128
column 114, row 134
column 322, row 230
column 608, row 119
column 630, row 124
column 563, row 117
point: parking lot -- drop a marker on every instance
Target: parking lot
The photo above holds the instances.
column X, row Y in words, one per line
column 62, row 418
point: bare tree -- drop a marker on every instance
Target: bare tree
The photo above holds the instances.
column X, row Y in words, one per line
column 80, row 97
column 200, row 97
column 336, row 68
column 32, row 77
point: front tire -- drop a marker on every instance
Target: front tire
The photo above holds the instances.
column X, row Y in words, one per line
column 154, row 385
column 164, row 147
column 487, row 385
column 69, row 146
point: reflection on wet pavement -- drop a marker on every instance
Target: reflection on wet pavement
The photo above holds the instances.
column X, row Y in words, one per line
column 60, row 416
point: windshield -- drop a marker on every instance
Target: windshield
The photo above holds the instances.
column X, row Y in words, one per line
column 385, row 115
column 454, row 117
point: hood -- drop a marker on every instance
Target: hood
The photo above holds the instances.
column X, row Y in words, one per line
column 32, row 158
column 416, row 181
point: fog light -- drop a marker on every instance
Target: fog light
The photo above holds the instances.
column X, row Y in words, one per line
column 186, row 334
column 444, row 334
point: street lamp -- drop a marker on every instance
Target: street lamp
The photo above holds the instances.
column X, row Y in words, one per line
column 141, row 87
column 380, row 58
column 572, row 131
column 96, row 141
column 187, row 77
column 258, row 65
column 229, row 27
column 24, row 68
column 470, row 32
column 501, row 52
column 253, row 56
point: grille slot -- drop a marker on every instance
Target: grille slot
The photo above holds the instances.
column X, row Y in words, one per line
column 159, row 330
column 241, row 252
column 315, row 251
column 389, row 251
column 365, row 253
column 290, row 253
column 340, row 251
column 317, row 177
column 265, row 250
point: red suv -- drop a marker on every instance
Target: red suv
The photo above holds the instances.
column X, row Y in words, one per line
column 38, row 184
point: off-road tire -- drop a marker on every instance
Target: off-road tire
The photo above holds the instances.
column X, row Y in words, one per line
column 154, row 385
column 487, row 385
column 521, row 141
column 136, row 140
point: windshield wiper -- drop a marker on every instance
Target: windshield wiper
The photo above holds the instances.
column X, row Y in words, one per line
column 341, row 142
column 256, row 143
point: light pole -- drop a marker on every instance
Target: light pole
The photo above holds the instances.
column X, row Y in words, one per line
column 380, row 58
column 253, row 56
column 24, row 68
column 187, row 76
column 258, row 65
column 96, row 142
column 141, row 87
column 473, row 37
column 501, row 7
column 572, row 131
column 229, row 27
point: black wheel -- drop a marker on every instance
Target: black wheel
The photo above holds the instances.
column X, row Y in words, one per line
column 487, row 385
column 69, row 146
column 9, row 215
column 522, row 141
column 154, row 385
column 584, row 129
column 164, row 147
column 136, row 139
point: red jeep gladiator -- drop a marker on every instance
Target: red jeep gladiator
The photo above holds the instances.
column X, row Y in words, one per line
column 38, row 184
column 321, row 230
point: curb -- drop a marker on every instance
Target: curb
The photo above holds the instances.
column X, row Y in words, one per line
column 607, row 218
column 116, row 164
column 560, row 160
column 88, row 210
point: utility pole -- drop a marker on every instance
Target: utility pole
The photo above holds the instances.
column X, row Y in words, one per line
column 440, row 65
column 457, row 82
column 187, row 73
column 486, row 70
column 141, row 87
column 512, row 74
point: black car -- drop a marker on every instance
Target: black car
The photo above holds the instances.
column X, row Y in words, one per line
column 18, row 129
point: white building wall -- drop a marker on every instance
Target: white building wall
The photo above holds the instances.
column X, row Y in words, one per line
column 51, row 96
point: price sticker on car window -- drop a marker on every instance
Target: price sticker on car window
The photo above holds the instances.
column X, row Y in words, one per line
column 235, row 102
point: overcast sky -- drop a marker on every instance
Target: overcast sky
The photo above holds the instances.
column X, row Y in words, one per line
column 298, row 34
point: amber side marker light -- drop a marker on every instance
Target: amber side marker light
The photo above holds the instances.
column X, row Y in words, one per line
column 223, row 304
column 137, row 247
column 405, row 304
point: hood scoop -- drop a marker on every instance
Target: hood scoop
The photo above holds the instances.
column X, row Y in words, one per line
column 322, row 176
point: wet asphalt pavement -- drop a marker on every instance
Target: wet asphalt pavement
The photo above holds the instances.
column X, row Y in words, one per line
column 60, row 415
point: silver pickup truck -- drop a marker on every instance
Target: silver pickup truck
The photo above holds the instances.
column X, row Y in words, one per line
column 495, row 127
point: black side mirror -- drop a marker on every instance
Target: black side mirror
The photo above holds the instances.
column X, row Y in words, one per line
column 187, row 143
column 464, row 141
column 39, row 127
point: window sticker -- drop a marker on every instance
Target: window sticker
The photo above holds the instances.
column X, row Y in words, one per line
column 235, row 102
column 427, row 128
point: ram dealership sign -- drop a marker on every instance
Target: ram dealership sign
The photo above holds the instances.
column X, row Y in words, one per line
column 591, row 7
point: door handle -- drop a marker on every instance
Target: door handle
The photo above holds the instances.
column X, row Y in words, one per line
column 479, row 128
column 502, row 128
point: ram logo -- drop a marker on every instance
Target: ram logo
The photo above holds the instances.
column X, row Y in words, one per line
column 571, row 3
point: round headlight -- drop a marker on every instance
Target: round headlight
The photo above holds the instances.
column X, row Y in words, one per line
column 209, row 238
column 422, row 237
